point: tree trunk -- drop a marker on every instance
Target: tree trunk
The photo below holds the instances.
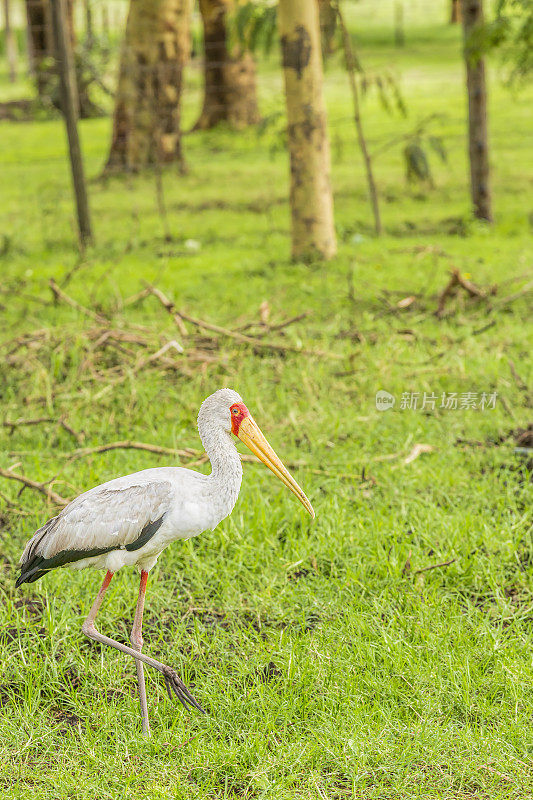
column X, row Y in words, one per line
column 472, row 16
column 455, row 14
column 351, row 68
column 89, row 27
column 311, row 199
column 147, row 117
column 229, row 79
column 327, row 17
column 63, row 35
column 41, row 48
column 11, row 45
column 41, row 52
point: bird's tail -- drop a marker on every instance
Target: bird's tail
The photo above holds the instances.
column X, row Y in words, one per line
column 32, row 563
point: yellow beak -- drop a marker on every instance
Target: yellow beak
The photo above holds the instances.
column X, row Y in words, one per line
column 250, row 434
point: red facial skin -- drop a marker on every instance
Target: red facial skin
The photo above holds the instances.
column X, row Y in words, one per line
column 238, row 412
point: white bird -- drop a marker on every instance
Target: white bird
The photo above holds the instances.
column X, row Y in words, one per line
column 130, row 520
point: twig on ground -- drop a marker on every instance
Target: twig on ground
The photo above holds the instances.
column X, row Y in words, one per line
column 417, row 450
column 386, row 457
column 169, row 305
column 527, row 274
column 506, row 406
column 458, row 280
column 59, row 294
column 13, row 506
column 497, row 772
column 265, row 328
column 407, row 566
column 172, row 345
column 25, row 338
column 81, row 452
column 21, row 422
column 445, row 294
column 239, row 337
column 522, row 385
column 280, row 325
column 486, row 327
column 512, row 297
column 435, row 566
column 146, row 292
column 12, row 424
column 43, row 488
column 78, row 436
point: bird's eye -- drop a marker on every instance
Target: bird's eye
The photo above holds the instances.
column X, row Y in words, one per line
column 235, row 411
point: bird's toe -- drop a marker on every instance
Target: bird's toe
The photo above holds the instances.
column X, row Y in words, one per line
column 174, row 684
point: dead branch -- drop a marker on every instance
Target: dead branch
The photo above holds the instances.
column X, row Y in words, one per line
column 446, row 293
column 239, row 337
column 290, row 321
column 486, row 327
column 25, row 338
column 15, row 509
column 522, row 385
column 43, row 488
column 172, row 345
column 266, row 328
column 81, row 452
column 503, row 301
column 407, row 566
column 435, row 566
column 59, row 294
column 417, row 450
column 135, row 298
column 169, row 305
column 458, row 280
column 472, row 289
column 78, row 436
column 21, row 422
column 101, row 335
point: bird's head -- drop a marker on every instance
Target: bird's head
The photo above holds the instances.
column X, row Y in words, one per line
column 227, row 408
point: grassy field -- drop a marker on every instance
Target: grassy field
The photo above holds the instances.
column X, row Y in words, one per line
column 335, row 657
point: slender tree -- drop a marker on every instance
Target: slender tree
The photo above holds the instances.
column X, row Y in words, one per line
column 11, row 45
column 327, row 18
column 511, row 32
column 472, row 17
column 41, row 46
column 311, row 199
column 229, row 77
column 42, row 54
column 455, row 12
column 351, row 68
column 147, row 118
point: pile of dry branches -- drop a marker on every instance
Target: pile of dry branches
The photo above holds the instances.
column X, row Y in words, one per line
column 109, row 354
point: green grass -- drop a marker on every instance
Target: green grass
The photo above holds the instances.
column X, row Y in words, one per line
column 331, row 667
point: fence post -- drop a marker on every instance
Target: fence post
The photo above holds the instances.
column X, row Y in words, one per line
column 69, row 106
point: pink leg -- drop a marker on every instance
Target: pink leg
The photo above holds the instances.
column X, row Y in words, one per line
column 98, row 602
column 172, row 681
column 137, row 642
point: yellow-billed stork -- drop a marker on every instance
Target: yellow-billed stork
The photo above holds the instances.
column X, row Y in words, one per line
column 130, row 520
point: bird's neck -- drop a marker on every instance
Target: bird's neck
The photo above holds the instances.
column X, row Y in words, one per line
column 226, row 468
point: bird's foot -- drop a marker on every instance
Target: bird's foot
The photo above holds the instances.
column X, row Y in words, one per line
column 174, row 684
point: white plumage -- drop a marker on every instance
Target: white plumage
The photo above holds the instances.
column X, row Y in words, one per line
column 115, row 513
column 130, row 520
